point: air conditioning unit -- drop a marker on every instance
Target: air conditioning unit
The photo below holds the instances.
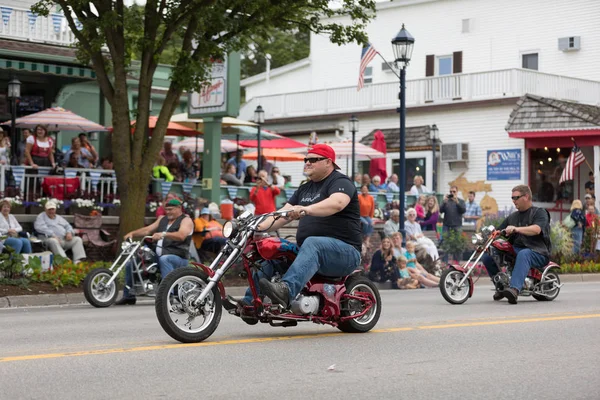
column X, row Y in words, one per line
column 571, row 43
column 455, row 152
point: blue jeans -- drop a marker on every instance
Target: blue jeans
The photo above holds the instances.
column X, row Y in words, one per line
column 327, row 256
column 367, row 225
column 526, row 259
column 577, row 235
column 19, row 244
column 166, row 263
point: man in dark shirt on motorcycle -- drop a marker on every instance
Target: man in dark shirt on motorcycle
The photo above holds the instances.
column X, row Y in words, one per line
column 528, row 230
column 172, row 234
column 329, row 231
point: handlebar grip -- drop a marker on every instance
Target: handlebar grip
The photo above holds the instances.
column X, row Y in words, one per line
column 503, row 232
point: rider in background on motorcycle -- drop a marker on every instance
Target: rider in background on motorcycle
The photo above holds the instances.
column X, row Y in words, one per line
column 172, row 235
column 329, row 231
column 528, row 229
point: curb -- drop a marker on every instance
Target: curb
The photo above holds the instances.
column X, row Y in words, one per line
column 78, row 298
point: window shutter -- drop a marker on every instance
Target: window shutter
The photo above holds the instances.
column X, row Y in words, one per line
column 457, row 62
column 430, row 65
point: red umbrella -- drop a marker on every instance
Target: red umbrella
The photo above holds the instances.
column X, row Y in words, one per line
column 173, row 129
column 277, row 143
column 378, row 165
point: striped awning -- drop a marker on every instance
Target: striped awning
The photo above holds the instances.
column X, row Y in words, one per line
column 45, row 68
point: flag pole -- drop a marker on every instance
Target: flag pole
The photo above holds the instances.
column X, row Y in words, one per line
column 586, row 161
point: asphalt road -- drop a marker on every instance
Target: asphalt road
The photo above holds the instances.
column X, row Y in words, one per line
column 422, row 348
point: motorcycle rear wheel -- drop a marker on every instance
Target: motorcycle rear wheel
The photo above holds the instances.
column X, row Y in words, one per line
column 95, row 290
column 552, row 275
column 449, row 278
column 175, row 311
column 365, row 323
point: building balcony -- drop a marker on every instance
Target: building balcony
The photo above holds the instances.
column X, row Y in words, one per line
column 437, row 90
column 22, row 24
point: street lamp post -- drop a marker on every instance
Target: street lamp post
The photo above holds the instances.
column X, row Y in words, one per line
column 353, row 121
column 402, row 45
column 259, row 118
column 434, row 134
column 14, row 92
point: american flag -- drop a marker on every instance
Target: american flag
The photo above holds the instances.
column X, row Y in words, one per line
column 575, row 159
column 368, row 53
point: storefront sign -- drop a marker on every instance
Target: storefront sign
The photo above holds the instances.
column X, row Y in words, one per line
column 504, row 165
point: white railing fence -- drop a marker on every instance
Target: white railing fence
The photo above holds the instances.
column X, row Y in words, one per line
column 19, row 23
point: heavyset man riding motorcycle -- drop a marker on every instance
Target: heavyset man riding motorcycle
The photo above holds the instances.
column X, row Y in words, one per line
column 329, row 232
column 172, row 234
column 528, row 229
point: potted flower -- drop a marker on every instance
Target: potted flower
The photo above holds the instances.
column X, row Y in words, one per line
column 113, row 208
column 82, row 206
column 151, row 208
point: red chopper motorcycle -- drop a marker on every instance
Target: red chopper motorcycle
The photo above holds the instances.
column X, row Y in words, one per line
column 189, row 301
column 456, row 282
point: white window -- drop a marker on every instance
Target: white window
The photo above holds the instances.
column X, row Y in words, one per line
column 530, row 61
column 443, row 65
column 368, row 75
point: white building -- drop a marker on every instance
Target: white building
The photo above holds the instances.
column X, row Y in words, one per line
column 472, row 61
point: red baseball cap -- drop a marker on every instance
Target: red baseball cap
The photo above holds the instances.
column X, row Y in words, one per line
column 324, row 151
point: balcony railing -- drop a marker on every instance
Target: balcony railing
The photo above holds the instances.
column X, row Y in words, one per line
column 22, row 24
column 434, row 90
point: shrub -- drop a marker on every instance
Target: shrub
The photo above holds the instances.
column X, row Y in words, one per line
column 562, row 243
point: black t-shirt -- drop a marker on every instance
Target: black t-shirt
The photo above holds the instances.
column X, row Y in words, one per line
column 344, row 225
column 536, row 243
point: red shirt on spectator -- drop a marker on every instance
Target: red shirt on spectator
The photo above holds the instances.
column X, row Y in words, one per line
column 264, row 199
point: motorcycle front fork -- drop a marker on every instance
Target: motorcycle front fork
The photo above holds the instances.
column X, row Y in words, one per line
column 469, row 268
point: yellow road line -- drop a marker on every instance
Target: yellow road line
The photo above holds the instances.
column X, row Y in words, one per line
column 283, row 338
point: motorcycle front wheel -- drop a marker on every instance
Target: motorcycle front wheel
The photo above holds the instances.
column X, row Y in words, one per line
column 452, row 293
column 175, row 309
column 95, row 289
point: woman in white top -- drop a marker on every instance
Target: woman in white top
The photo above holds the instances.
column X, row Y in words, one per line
column 39, row 148
column 413, row 232
column 9, row 226
column 4, row 148
column 418, row 187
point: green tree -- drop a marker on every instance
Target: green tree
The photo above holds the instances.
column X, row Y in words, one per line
column 283, row 47
column 113, row 33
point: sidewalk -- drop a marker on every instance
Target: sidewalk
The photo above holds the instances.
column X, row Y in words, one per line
column 78, row 298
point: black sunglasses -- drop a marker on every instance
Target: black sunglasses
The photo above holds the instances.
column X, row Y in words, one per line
column 313, row 160
column 515, row 198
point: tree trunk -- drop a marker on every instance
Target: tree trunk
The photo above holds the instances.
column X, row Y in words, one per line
column 133, row 201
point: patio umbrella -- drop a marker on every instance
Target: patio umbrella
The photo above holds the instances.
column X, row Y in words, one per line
column 58, row 119
column 378, row 166
column 344, row 149
column 231, row 128
column 173, row 129
column 275, row 155
column 227, row 146
column 277, row 143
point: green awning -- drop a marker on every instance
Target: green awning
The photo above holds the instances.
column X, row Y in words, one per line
column 45, row 68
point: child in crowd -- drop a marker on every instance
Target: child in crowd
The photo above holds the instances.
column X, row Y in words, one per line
column 404, row 280
column 420, row 207
column 415, row 269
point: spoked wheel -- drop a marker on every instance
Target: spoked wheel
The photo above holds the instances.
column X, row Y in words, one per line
column 550, row 286
column 357, row 286
column 95, row 289
column 175, row 309
column 453, row 293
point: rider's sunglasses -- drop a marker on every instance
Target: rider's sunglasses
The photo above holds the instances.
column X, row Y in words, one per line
column 515, row 198
column 313, row 160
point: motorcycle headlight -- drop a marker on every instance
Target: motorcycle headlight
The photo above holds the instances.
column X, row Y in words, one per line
column 476, row 239
column 125, row 245
column 229, row 229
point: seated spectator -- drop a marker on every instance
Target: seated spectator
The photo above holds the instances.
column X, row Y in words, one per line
column 405, row 281
column 263, row 194
column 420, row 207
column 432, row 214
column 160, row 170
column 376, row 185
column 251, row 175
column 418, row 187
column 161, row 209
column 393, row 184
column 392, row 225
column 397, row 244
column 172, row 235
column 367, row 210
column 416, row 270
column 413, row 232
column 189, row 170
column 383, row 264
column 10, row 227
column 229, row 176
column 85, row 143
column 208, row 233
column 83, row 156
column 58, row 234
